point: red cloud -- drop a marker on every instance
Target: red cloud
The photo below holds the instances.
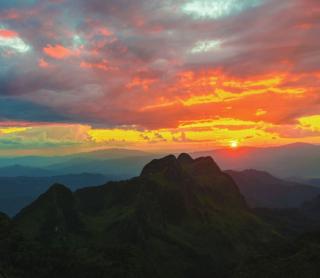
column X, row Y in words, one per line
column 57, row 51
column 105, row 31
column 7, row 33
column 101, row 66
column 43, row 63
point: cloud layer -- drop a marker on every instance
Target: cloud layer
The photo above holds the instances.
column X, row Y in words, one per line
column 159, row 74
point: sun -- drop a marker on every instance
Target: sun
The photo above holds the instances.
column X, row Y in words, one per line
column 234, row 144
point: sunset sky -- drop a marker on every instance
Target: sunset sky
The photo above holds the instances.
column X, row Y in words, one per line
column 158, row 74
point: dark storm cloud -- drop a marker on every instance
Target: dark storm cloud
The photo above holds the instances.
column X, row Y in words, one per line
column 19, row 110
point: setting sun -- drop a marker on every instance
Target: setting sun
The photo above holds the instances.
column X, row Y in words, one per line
column 234, row 144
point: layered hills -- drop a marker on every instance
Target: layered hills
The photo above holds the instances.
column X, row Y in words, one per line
column 181, row 217
column 261, row 189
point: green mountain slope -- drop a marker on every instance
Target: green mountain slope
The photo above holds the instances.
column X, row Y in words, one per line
column 295, row 259
column 180, row 218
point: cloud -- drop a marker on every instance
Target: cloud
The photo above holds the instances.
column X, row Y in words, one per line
column 43, row 136
column 15, row 109
column 217, row 9
column 310, row 122
column 57, row 51
column 205, row 46
column 155, row 65
column 43, row 63
column 10, row 41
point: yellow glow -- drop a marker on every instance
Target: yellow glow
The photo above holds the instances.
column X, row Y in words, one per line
column 219, row 122
column 274, row 81
column 260, row 112
column 221, row 95
column 205, row 133
column 234, row 144
column 9, row 130
column 311, row 122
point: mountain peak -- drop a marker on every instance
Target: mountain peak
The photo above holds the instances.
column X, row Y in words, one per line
column 163, row 165
column 206, row 164
column 185, row 158
column 53, row 214
column 57, row 187
column 175, row 168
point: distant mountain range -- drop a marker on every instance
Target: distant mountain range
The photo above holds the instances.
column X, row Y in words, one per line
column 116, row 162
column 17, row 192
column 123, row 167
column 24, row 171
column 296, row 160
column 315, row 182
column 31, row 176
column 264, row 190
column 45, row 161
column 299, row 159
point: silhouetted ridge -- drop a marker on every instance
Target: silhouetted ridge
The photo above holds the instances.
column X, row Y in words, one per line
column 167, row 166
column 185, row 158
column 171, row 164
column 181, row 217
column 58, row 188
column 52, row 214
column 194, row 179
column 206, row 165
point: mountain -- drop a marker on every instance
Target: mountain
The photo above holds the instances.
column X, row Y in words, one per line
column 314, row 182
column 57, row 214
column 297, row 258
column 297, row 255
column 261, row 189
column 127, row 167
column 311, row 208
column 114, row 162
column 17, row 192
column 181, row 217
column 24, row 171
column 282, row 161
column 44, row 161
column 110, row 154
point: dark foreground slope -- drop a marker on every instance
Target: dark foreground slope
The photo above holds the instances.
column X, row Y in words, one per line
column 299, row 258
column 180, row 218
column 295, row 258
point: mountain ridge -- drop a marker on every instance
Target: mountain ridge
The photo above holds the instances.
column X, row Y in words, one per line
column 261, row 189
column 181, row 217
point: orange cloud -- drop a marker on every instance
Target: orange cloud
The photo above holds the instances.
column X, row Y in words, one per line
column 222, row 88
column 57, row 51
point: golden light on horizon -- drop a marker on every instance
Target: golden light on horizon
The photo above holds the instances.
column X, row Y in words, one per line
column 234, row 144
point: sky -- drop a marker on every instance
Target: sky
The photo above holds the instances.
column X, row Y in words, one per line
column 158, row 74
